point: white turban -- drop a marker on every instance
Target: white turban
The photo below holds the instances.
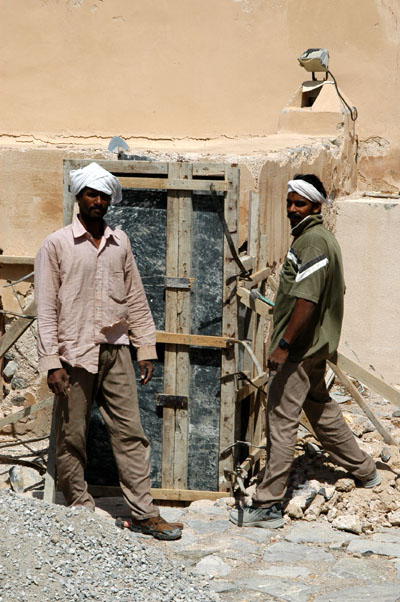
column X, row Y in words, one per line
column 307, row 190
column 97, row 178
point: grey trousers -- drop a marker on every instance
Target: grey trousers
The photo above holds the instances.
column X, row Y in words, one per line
column 301, row 386
column 114, row 389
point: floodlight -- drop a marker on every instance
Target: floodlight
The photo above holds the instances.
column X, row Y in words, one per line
column 315, row 59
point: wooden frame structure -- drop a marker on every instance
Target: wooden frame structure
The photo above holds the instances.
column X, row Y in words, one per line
column 244, row 320
column 180, row 180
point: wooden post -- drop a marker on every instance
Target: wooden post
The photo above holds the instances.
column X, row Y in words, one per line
column 253, row 248
column 228, row 410
column 354, row 392
column 183, row 357
column 259, row 347
column 17, row 329
column 171, row 324
column 68, row 198
column 50, row 478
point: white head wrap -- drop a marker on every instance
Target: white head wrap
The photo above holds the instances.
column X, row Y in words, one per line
column 307, row 190
column 97, row 178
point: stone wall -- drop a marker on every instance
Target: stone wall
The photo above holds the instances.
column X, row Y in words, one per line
column 368, row 232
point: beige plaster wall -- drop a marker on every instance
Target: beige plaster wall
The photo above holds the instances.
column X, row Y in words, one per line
column 368, row 232
column 177, row 69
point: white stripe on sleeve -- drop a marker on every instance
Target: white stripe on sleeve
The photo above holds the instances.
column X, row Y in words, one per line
column 317, row 266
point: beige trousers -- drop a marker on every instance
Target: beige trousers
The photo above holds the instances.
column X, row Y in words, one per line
column 301, row 386
column 114, row 389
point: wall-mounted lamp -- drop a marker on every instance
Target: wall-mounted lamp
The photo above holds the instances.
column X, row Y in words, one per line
column 317, row 60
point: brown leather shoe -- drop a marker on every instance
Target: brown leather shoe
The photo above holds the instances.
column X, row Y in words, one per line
column 155, row 526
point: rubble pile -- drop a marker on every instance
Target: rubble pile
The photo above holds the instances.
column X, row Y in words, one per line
column 22, row 383
column 319, row 490
column 50, row 552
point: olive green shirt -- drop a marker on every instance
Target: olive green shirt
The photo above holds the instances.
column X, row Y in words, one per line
column 312, row 270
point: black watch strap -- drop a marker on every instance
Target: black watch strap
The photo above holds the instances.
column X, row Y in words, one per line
column 284, row 344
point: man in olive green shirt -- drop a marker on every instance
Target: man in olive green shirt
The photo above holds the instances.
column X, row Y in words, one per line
column 308, row 317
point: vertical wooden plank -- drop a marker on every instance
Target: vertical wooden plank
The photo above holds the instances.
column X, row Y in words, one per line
column 253, row 250
column 68, row 198
column 171, row 309
column 254, row 225
column 228, row 420
column 259, row 349
column 50, row 478
column 183, row 356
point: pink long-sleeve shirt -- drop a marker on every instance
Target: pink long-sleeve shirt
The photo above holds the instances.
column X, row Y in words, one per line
column 86, row 296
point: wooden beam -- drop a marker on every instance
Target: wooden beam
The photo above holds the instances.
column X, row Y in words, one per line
column 203, row 168
column 260, row 307
column 28, row 411
column 50, row 478
column 369, row 379
column 16, row 260
column 255, row 454
column 194, row 340
column 354, row 392
column 122, row 167
column 228, row 427
column 259, row 348
column 17, row 329
column 329, row 377
column 173, row 183
column 255, row 278
column 207, row 168
column 171, row 324
column 272, row 283
column 247, row 389
column 68, row 198
column 172, row 495
column 183, row 326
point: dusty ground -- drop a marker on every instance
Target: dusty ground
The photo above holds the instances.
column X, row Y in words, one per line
column 318, row 490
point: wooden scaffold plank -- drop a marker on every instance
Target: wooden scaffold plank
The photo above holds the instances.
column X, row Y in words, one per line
column 17, row 329
column 193, row 340
column 183, row 358
column 171, row 324
column 259, row 344
column 354, row 392
column 172, row 183
column 228, row 408
column 171, row 495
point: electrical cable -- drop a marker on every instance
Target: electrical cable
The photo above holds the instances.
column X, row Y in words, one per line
column 353, row 110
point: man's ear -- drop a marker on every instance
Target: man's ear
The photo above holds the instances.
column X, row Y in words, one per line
column 316, row 208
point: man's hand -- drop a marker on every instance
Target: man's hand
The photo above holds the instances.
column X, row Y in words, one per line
column 277, row 358
column 58, row 381
column 146, row 371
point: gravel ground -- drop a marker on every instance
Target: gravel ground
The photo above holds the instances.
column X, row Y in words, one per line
column 50, row 553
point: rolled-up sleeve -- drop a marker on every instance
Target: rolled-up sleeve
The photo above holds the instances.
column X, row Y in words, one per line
column 47, row 284
column 142, row 332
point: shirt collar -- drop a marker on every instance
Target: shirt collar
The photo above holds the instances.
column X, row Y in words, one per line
column 306, row 223
column 78, row 230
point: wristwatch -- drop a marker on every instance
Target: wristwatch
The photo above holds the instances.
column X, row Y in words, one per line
column 284, row 344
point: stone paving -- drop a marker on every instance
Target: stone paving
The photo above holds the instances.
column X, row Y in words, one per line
column 302, row 562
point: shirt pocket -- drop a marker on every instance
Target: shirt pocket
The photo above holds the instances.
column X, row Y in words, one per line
column 117, row 289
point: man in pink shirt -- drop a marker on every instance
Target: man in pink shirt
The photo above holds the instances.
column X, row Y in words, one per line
column 90, row 306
